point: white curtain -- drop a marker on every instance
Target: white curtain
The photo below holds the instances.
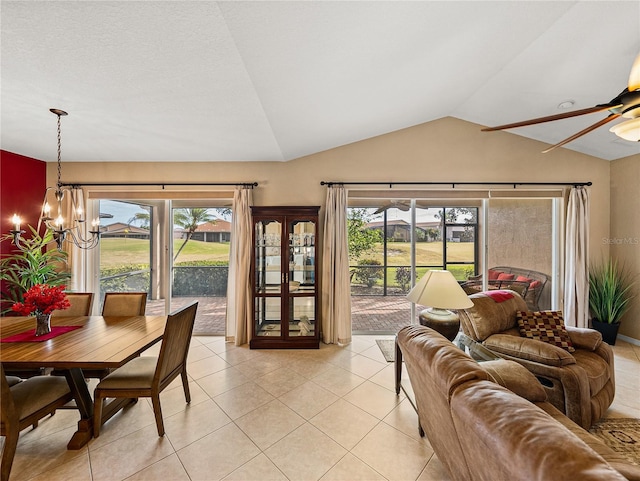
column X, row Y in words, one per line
column 77, row 257
column 576, row 281
column 238, row 287
column 336, row 288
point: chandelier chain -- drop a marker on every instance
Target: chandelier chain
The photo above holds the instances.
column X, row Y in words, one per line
column 59, row 153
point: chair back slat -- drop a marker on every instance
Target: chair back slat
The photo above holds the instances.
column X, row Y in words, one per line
column 81, row 303
column 6, row 399
column 124, row 304
column 175, row 341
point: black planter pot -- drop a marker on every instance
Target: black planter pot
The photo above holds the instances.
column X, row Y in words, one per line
column 609, row 331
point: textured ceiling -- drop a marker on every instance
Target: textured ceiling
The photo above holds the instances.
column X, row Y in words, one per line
column 244, row 81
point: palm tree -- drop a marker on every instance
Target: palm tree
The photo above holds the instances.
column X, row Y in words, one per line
column 143, row 217
column 189, row 220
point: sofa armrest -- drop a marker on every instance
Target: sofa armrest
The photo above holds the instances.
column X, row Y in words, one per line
column 529, row 349
column 516, row 378
column 582, row 338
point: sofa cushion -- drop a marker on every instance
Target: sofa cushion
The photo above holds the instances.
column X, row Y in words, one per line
column 516, row 378
column 510, row 344
column 546, row 326
column 524, row 279
column 503, row 276
column 487, row 316
column 535, row 284
column 493, row 274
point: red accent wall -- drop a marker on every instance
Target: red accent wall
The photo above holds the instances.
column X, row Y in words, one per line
column 23, row 181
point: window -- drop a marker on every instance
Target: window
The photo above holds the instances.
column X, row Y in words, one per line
column 382, row 240
column 175, row 250
column 125, row 247
column 393, row 245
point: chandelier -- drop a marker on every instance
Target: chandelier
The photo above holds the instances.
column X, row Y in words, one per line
column 62, row 229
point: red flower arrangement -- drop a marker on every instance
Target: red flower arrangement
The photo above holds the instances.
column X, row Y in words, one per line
column 42, row 299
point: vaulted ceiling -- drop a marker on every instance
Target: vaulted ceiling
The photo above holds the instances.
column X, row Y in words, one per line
column 244, row 81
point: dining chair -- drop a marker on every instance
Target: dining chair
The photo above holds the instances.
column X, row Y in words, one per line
column 23, row 405
column 148, row 376
column 81, row 303
column 124, row 304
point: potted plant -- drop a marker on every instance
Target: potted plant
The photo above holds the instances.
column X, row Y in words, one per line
column 610, row 294
column 23, row 269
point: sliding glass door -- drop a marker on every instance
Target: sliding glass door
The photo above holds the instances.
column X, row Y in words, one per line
column 125, row 249
column 394, row 244
column 175, row 251
column 200, row 264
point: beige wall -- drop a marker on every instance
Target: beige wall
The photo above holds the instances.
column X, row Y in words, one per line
column 624, row 238
column 445, row 150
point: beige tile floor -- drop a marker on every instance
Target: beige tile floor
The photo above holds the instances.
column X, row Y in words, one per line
column 328, row 414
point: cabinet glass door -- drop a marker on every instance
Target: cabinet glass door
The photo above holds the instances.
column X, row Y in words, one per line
column 268, row 257
column 301, row 278
column 269, row 277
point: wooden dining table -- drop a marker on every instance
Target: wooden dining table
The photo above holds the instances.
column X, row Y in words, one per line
column 99, row 343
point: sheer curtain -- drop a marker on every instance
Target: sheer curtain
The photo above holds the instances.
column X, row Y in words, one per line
column 77, row 258
column 576, row 281
column 238, row 288
column 336, row 288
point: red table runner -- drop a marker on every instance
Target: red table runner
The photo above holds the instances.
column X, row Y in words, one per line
column 30, row 336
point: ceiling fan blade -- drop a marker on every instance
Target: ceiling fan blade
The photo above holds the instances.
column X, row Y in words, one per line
column 565, row 115
column 634, row 76
column 583, row 132
column 403, row 206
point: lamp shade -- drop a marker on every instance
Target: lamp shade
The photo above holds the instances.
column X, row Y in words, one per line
column 628, row 130
column 441, row 290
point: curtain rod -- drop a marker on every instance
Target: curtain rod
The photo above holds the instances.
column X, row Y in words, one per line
column 454, row 184
column 161, row 184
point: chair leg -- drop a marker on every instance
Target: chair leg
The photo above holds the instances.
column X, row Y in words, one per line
column 185, row 386
column 97, row 413
column 9, row 450
column 157, row 410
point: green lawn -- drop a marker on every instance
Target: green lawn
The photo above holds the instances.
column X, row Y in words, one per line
column 427, row 253
column 118, row 252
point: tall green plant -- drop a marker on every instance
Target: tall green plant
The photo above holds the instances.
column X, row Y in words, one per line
column 609, row 291
column 23, row 269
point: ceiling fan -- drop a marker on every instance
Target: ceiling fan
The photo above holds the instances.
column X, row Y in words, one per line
column 395, row 204
column 626, row 104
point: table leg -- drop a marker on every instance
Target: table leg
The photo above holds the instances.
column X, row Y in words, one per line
column 81, row 394
column 398, row 363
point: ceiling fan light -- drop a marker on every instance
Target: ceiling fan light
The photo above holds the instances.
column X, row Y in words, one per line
column 628, row 130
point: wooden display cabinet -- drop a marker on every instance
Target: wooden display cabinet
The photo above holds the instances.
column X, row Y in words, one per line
column 284, row 276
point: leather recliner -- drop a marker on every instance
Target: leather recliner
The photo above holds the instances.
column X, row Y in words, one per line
column 580, row 384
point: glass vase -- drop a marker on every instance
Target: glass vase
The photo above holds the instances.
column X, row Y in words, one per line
column 43, row 324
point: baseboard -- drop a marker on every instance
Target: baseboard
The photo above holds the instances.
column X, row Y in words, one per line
column 630, row 340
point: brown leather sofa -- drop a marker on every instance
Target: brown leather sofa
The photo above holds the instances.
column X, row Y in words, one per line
column 480, row 430
column 580, row 384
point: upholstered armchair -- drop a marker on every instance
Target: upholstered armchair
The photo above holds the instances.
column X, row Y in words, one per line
column 581, row 384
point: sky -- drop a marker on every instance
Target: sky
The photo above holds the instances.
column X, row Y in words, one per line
column 123, row 211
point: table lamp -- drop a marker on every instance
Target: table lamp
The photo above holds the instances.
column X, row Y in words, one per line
column 441, row 291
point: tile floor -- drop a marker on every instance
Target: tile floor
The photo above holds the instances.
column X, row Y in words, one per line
column 328, row 414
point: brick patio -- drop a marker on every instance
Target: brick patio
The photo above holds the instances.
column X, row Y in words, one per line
column 369, row 314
